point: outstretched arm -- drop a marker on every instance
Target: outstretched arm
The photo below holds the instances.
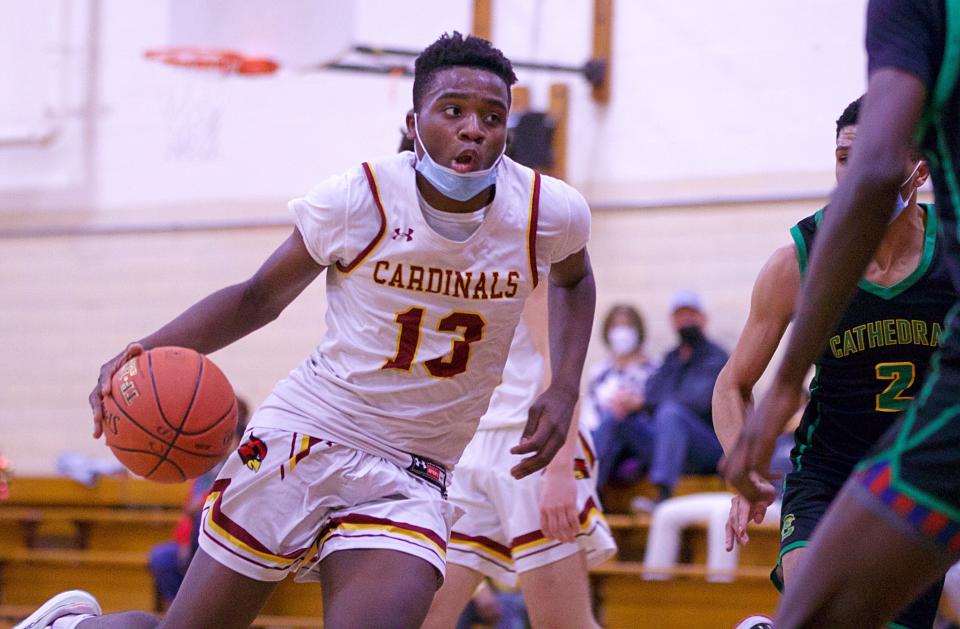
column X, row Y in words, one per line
column 226, row 315
column 852, row 227
column 235, row 311
column 771, row 306
column 571, row 301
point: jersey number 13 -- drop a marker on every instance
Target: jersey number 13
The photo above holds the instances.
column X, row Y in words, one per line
column 468, row 324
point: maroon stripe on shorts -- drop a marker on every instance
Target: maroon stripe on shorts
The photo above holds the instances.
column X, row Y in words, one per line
column 533, row 536
column 359, row 518
column 233, row 528
column 396, row 539
column 482, row 541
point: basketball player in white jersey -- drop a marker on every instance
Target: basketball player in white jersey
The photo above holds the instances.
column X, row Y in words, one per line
column 344, row 476
column 542, row 532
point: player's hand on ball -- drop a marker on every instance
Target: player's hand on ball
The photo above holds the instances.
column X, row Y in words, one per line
column 558, row 504
column 547, row 423
column 103, row 384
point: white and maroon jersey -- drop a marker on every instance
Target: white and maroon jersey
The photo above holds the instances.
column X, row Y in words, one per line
column 522, row 380
column 418, row 326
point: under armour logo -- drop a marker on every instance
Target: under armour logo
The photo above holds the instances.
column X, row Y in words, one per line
column 407, row 234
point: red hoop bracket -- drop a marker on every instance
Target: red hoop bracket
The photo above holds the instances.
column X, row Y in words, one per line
column 227, row 61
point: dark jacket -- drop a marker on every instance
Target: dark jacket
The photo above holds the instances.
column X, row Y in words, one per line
column 691, row 383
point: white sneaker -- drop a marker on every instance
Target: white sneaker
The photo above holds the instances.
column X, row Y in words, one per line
column 68, row 603
column 758, row 621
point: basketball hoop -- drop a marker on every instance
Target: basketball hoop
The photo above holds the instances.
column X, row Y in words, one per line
column 227, row 61
column 196, row 98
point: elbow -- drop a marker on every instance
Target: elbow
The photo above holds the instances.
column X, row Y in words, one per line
column 259, row 303
column 729, row 386
column 723, row 384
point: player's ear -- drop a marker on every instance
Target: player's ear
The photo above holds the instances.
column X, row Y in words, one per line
column 923, row 173
column 412, row 132
column 411, row 125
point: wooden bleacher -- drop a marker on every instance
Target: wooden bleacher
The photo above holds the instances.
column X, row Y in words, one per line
column 684, row 601
column 99, row 540
column 107, row 492
column 94, row 528
column 684, row 597
column 630, row 531
column 56, row 534
column 616, row 499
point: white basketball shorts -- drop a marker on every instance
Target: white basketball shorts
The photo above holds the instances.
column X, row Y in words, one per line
column 285, row 500
column 499, row 534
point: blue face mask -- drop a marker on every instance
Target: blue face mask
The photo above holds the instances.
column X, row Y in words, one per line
column 450, row 183
column 901, row 202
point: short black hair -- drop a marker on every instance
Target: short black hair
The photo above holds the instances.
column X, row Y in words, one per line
column 453, row 50
column 849, row 115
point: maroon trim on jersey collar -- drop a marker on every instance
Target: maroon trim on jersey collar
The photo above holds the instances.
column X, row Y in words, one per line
column 374, row 190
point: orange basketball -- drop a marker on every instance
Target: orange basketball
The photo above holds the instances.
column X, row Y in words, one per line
column 171, row 414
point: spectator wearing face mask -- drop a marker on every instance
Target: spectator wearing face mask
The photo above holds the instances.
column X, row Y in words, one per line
column 678, row 398
column 622, row 435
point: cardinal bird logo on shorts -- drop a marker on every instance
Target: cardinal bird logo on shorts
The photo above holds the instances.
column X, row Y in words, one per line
column 253, row 452
column 580, row 469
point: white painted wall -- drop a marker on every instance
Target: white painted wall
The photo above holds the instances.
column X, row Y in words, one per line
column 707, row 96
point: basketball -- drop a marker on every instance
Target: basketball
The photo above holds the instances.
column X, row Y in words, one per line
column 171, row 414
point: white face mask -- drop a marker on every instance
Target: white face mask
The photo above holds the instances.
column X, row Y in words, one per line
column 901, row 202
column 450, row 183
column 623, row 340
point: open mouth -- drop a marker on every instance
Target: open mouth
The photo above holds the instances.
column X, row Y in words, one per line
column 465, row 162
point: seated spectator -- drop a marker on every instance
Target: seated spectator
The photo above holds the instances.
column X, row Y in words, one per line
column 496, row 608
column 169, row 560
column 673, row 516
column 678, row 398
column 616, row 398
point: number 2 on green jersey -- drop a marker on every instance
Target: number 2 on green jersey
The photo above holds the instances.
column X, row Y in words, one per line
column 901, row 377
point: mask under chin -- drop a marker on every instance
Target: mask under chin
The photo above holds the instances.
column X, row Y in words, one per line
column 450, row 183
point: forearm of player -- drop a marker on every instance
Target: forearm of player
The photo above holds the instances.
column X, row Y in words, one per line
column 562, row 464
column 571, row 301
column 235, row 311
column 729, row 408
column 215, row 321
column 772, row 302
